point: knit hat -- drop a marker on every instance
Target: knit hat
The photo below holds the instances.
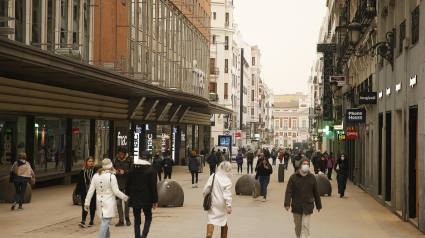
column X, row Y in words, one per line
column 303, row 160
column 145, row 154
column 193, row 153
column 106, row 163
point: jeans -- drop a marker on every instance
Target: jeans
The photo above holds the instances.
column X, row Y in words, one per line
column 193, row 173
column 104, row 228
column 167, row 174
column 280, row 160
column 329, row 173
column 240, row 166
column 20, row 189
column 302, row 225
column 120, row 211
column 92, row 209
column 286, row 163
column 264, row 182
column 212, row 169
column 274, row 160
column 247, row 167
column 138, row 221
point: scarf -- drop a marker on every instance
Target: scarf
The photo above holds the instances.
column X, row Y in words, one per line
column 88, row 174
column 303, row 173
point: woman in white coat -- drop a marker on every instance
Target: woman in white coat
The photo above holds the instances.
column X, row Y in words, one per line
column 221, row 199
column 106, row 186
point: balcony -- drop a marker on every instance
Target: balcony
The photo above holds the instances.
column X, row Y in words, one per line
column 213, row 97
column 214, row 71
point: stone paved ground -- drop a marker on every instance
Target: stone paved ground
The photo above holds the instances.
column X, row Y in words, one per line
column 51, row 214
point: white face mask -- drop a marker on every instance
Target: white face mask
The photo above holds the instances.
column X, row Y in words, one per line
column 305, row 168
column 342, row 158
column 323, row 158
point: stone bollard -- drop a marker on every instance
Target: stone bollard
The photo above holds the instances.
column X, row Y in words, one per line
column 7, row 189
column 75, row 200
column 170, row 194
column 324, row 185
column 245, row 184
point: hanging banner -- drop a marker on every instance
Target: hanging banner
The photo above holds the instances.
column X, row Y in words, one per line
column 367, row 98
column 339, row 79
column 328, row 69
column 356, row 115
column 351, row 134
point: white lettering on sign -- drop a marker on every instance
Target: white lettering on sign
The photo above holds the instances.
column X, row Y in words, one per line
column 173, row 146
column 7, row 147
column 413, row 80
column 163, row 142
column 351, row 133
column 122, row 139
column 367, row 97
column 388, row 91
column 380, row 95
column 136, row 146
column 149, row 147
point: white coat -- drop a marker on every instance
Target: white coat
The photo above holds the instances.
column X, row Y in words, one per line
column 221, row 198
column 106, row 187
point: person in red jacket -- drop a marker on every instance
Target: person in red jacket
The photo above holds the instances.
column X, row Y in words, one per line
column 323, row 162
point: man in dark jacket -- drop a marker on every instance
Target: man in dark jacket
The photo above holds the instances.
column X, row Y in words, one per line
column 122, row 165
column 315, row 162
column 141, row 188
column 250, row 160
column 297, row 162
column 194, row 164
column 274, row 155
column 286, row 159
column 212, row 161
column 303, row 191
column 219, row 157
column 168, row 164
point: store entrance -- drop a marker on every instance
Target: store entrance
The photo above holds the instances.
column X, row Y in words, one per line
column 413, row 164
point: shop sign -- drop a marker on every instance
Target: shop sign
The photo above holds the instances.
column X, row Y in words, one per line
column 163, row 142
column 75, row 130
column 173, row 145
column 367, row 97
column 121, row 139
column 398, row 87
column 356, row 115
column 237, row 134
column 341, row 137
column 351, row 134
column 413, row 80
column 380, row 94
column 388, row 91
column 137, row 133
column 256, row 135
column 150, row 143
column 7, row 155
column 341, row 80
column 338, row 127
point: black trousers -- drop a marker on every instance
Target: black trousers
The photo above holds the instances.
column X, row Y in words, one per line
column 212, row 169
column 92, row 208
column 137, row 212
column 342, row 185
column 20, row 189
column 167, row 174
column 250, row 163
column 329, row 173
column 193, row 176
column 159, row 176
column 239, row 167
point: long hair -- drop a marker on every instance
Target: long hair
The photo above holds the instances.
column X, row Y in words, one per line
column 104, row 169
column 85, row 162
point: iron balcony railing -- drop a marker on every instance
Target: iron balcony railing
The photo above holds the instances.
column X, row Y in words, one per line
column 214, row 71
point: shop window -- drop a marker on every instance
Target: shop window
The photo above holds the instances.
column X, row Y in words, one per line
column 20, row 20
column 12, row 141
column 102, row 141
column 189, row 141
column 80, row 142
column 163, row 139
column 196, row 142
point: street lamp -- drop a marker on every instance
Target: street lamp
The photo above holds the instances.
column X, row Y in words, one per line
column 354, row 30
column 334, row 86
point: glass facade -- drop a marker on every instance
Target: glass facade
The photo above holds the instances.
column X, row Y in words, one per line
column 80, row 142
column 189, row 140
column 12, row 141
column 102, row 141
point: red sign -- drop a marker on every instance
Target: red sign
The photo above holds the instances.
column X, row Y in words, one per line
column 75, row 130
column 339, row 79
column 351, row 134
column 238, row 134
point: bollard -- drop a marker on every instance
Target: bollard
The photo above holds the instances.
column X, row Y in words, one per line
column 245, row 184
column 170, row 194
column 281, row 173
column 7, row 189
column 324, row 185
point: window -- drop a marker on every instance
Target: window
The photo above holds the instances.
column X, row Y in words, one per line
column 276, row 124
column 304, row 124
column 214, row 15
column 226, row 87
column 294, row 124
column 36, row 22
column 213, row 39
column 415, row 25
column 20, row 20
column 212, row 88
column 285, row 143
column 226, row 66
column 253, row 60
column 252, row 112
column 252, row 95
column 226, row 43
column 235, row 60
column 227, row 19
column 285, row 134
column 285, row 124
column 64, row 22
column 253, row 80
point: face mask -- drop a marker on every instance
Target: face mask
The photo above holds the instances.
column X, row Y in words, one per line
column 305, row 168
column 323, row 158
column 342, row 158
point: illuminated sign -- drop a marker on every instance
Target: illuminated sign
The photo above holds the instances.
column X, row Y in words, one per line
column 413, row 81
column 150, row 140
column 137, row 133
column 398, row 87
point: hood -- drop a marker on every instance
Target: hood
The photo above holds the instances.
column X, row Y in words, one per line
column 126, row 157
column 250, row 151
column 224, row 174
column 141, row 165
column 21, row 162
column 142, row 162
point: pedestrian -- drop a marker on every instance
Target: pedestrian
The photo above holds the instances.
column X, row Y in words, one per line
column 274, row 155
column 250, row 160
column 219, row 157
column 142, row 190
column 168, row 164
column 315, row 162
column 264, row 169
column 83, row 184
column 296, row 162
column 194, row 164
column 341, row 168
column 286, row 159
column 62, row 159
column 226, row 155
column 106, row 185
column 239, row 160
column 301, row 194
column 157, row 164
column 41, row 155
column 260, row 160
column 243, row 150
column 331, row 163
column 221, row 199
column 57, row 159
column 323, row 164
column 267, row 153
column 122, row 164
column 23, row 173
column 212, row 161
column 281, row 156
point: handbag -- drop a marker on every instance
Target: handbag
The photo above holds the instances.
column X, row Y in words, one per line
column 255, row 191
column 11, row 177
column 207, row 198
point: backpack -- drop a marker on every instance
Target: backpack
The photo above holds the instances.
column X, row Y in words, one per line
column 250, row 157
column 297, row 163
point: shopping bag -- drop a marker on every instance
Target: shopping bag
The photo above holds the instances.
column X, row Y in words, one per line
column 255, row 191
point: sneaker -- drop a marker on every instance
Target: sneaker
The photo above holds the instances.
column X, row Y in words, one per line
column 82, row 224
column 20, row 209
column 196, row 185
column 193, row 185
column 120, row 223
column 91, row 224
column 143, row 236
column 264, row 200
column 128, row 222
column 13, row 206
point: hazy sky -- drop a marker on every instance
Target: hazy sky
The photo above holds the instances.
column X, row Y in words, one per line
column 286, row 32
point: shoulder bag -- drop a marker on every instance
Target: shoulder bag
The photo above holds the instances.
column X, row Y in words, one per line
column 207, row 198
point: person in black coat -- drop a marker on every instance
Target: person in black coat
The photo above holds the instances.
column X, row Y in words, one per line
column 341, row 168
column 141, row 188
column 264, row 169
column 83, row 184
column 213, row 162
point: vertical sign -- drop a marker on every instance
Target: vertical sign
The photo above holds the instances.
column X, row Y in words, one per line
column 328, row 51
column 137, row 133
column 173, row 145
column 310, row 121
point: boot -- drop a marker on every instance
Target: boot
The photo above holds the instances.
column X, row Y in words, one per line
column 210, row 230
column 224, row 231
